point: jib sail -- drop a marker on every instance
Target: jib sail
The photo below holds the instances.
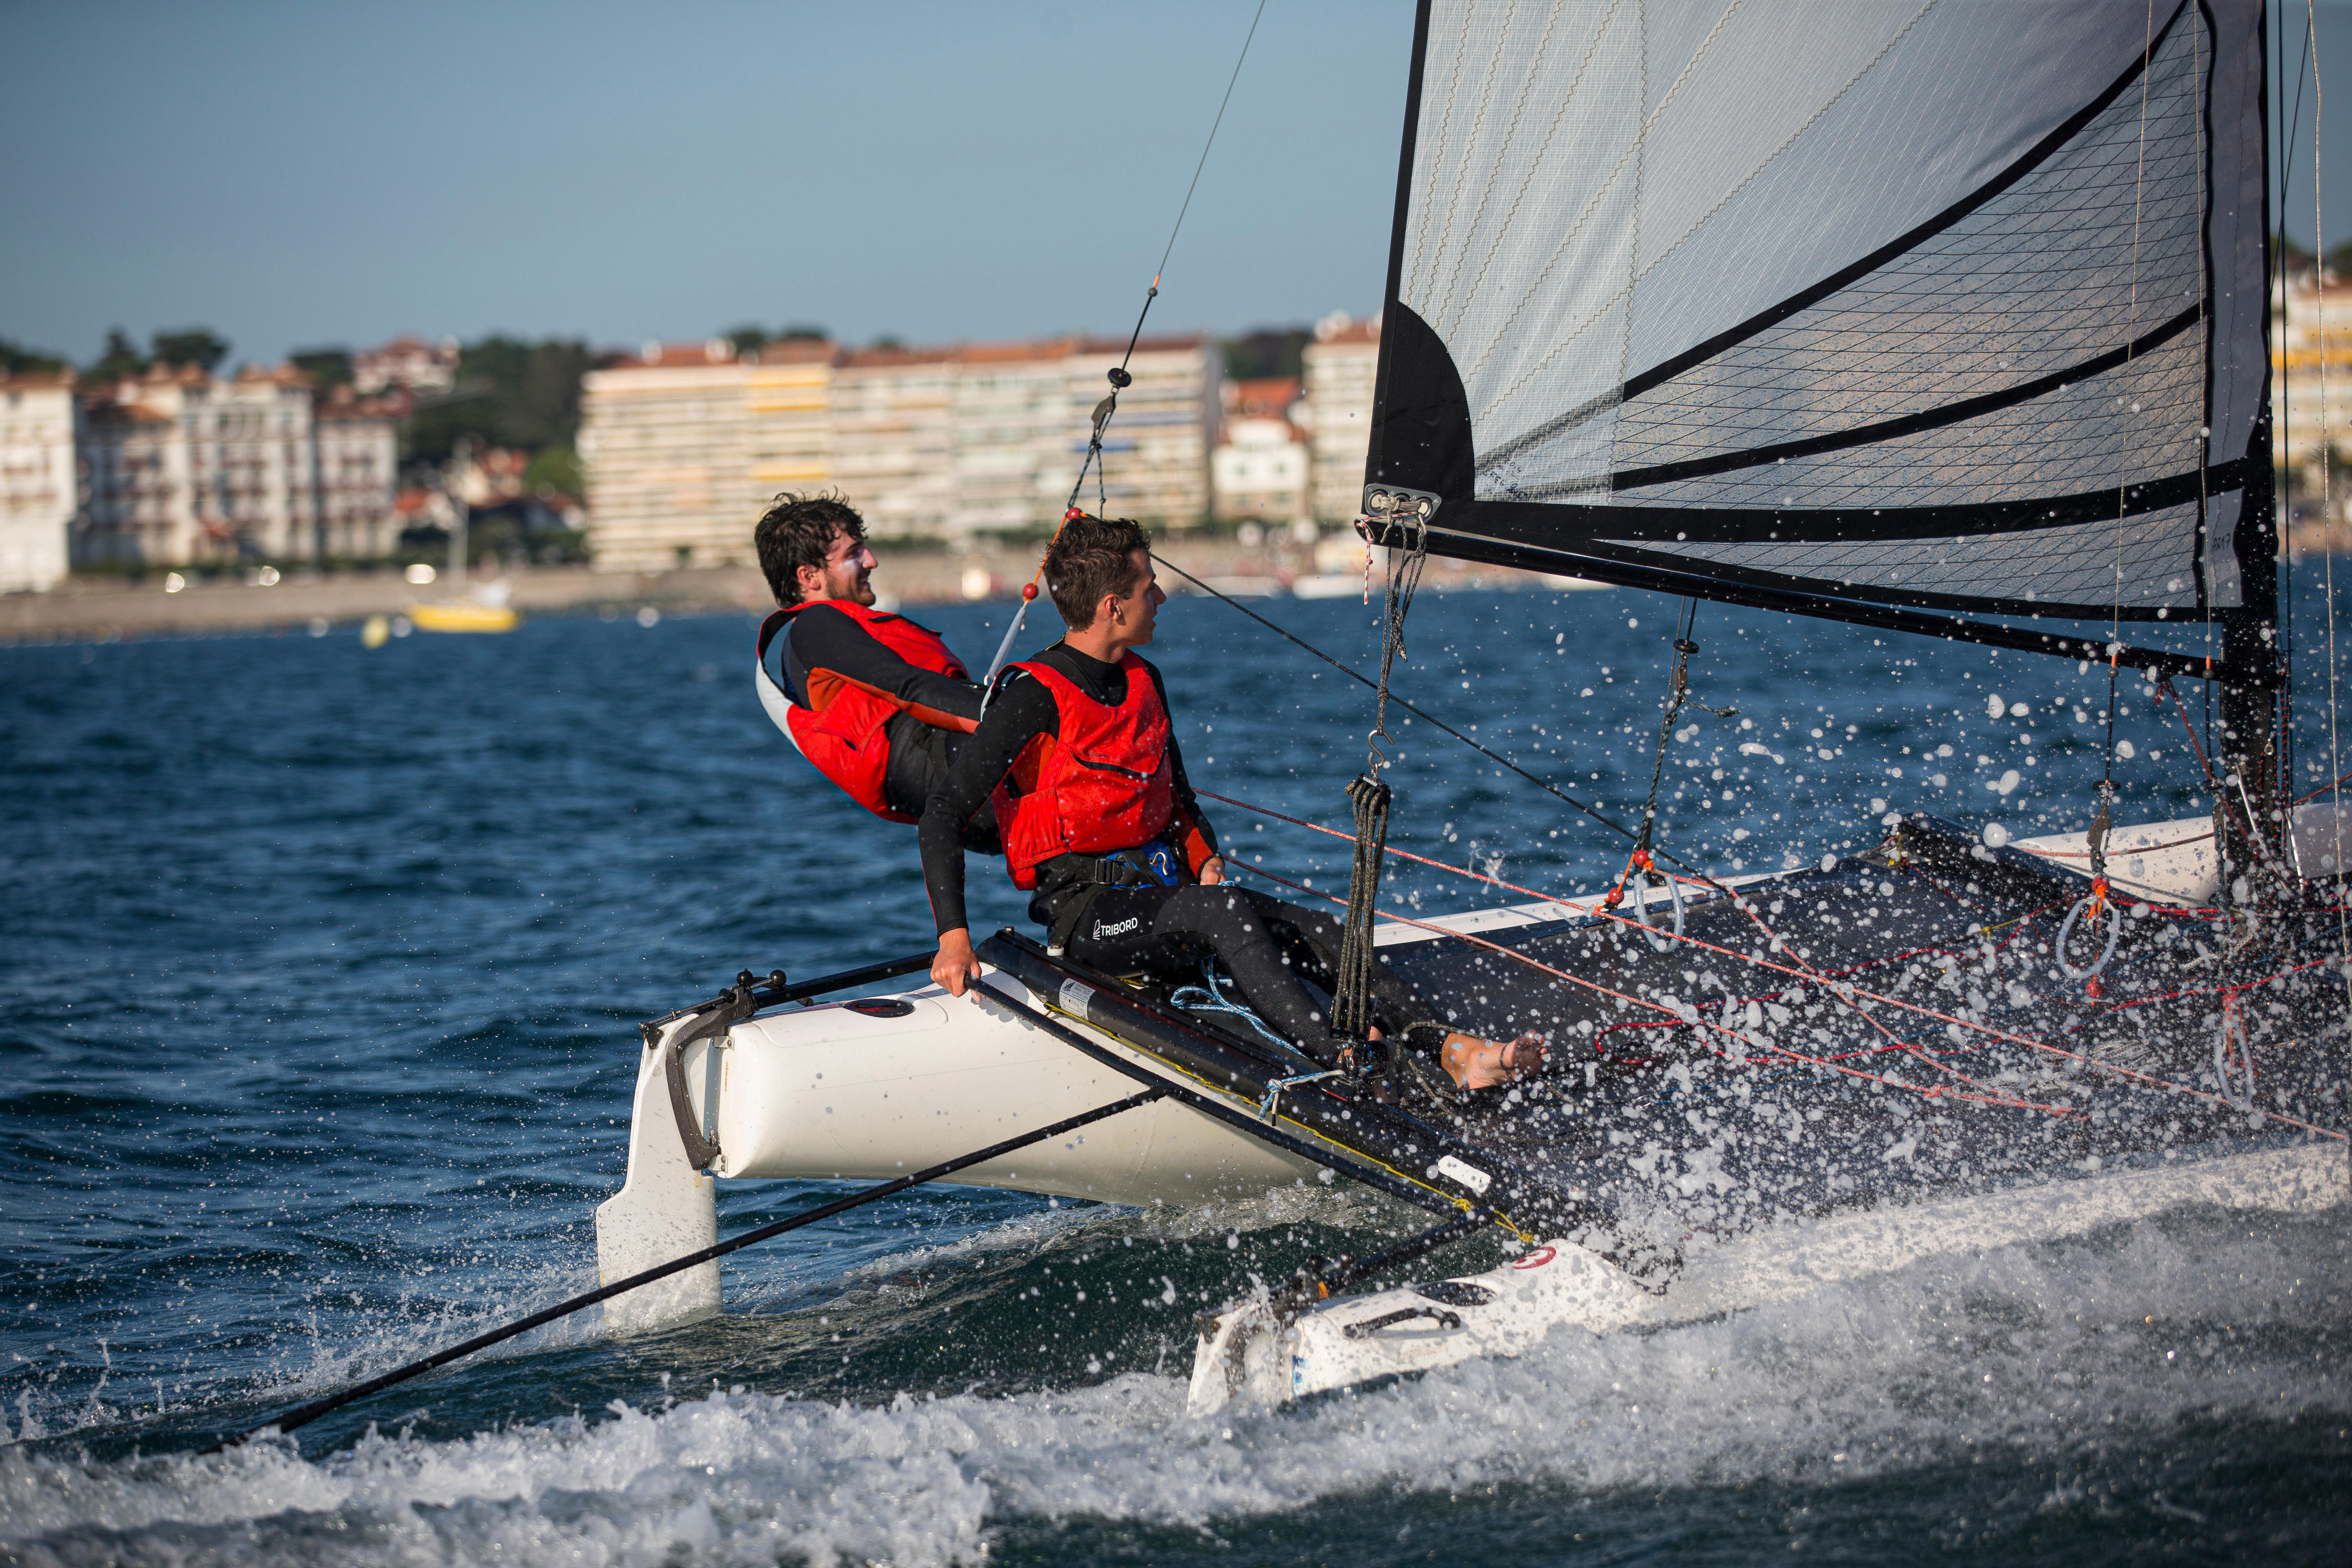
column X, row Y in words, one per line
column 1837, row 305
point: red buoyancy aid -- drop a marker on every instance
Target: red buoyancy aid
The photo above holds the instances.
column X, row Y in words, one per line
column 840, row 729
column 1104, row 784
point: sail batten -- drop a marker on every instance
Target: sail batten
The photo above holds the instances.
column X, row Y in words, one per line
column 1930, row 305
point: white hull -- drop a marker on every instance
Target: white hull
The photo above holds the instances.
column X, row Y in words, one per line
column 828, row 1093
column 1254, row 1356
column 823, row 1094
column 831, row 1092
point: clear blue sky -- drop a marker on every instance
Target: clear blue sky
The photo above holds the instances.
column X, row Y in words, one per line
column 300, row 175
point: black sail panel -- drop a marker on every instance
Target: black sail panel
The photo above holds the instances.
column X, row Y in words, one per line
column 1911, row 302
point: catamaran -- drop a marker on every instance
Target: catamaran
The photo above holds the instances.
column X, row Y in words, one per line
column 1944, row 319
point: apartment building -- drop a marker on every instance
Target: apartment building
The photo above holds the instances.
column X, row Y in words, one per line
column 179, row 466
column 1259, row 466
column 893, row 438
column 789, row 416
column 36, row 478
column 684, row 444
column 1012, row 421
column 357, row 446
column 1156, row 452
column 665, row 443
column 1342, row 365
column 2311, row 341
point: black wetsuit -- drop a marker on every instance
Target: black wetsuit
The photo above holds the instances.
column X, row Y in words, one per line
column 821, row 638
column 1266, row 945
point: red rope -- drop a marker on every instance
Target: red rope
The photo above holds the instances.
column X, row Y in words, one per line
column 1769, row 1044
column 1846, row 993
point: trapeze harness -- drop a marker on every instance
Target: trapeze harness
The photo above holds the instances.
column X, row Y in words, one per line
column 840, row 729
column 1103, row 794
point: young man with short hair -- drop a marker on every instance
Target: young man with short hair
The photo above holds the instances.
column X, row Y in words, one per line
column 1100, row 825
column 875, row 703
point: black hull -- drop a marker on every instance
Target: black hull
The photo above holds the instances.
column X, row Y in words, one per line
column 1771, row 1095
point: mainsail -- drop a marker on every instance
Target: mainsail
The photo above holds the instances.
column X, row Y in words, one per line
column 1838, row 305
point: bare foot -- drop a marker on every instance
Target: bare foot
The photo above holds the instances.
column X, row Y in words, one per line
column 1485, row 1064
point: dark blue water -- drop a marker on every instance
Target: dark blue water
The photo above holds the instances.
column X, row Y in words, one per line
column 321, row 967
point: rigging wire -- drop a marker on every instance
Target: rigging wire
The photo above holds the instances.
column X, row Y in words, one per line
column 2205, row 460
column 1847, row 994
column 1840, row 991
column 2282, row 564
column 1424, row 715
column 1119, row 378
column 2095, row 903
column 2328, row 553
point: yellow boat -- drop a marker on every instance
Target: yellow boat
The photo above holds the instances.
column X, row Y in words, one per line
column 462, row 615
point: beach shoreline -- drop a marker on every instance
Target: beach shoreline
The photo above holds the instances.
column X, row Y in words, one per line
column 110, row 609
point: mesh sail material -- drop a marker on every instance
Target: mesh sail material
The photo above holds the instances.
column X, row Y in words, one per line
column 1927, row 302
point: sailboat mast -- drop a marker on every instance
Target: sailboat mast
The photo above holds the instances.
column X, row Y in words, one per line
column 2250, row 718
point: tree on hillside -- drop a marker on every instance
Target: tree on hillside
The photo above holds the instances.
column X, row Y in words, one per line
column 198, row 346
column 750, row 338
column 326, row 368
column 17, row 360
column 508, row 394
column 121, row 358
column 1268, row 352
column 555, row 467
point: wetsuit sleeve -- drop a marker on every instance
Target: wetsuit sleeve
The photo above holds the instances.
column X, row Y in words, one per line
column 824, row 639
column 1023, row 711
column 1193, row 834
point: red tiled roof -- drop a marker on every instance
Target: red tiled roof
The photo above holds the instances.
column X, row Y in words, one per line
column 1017, row 353
column 674, row 356
column 1269, row 396
column 1174, row 344
column 877, row 358
column 797, row 351
column 1364, row 331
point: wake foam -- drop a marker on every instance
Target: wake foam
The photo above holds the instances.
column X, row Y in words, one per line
column 2041, row 1350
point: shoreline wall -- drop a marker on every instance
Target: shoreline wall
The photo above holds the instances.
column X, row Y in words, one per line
column 83, row 609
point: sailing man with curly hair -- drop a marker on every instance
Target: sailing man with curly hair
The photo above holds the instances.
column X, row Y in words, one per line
column 1102, row 828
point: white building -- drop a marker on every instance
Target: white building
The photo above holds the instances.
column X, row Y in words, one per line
column 1259, row 466
column 1342, row 366
column 38, row 485
column 178, row 467
column 2314, row 342
column 894, row 439
column 407, row 362
column 790, row 427
column 1010, row 411
column 357, row 465
column 684, row 445
column 1156, row 453
column 664, row 443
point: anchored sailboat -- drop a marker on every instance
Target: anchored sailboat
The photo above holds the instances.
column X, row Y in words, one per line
column 1946, row 319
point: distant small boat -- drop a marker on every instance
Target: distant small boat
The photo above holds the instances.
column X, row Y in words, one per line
column 463, row 616
column 486, row 608
column 1327, row 585
column 1258, row 586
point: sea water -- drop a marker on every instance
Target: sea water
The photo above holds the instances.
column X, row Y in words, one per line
column 321, row 967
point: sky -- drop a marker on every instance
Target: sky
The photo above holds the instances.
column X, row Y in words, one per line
column 300, row 175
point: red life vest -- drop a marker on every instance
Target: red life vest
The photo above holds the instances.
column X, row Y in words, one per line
column 840, row 728
column 1103, row 786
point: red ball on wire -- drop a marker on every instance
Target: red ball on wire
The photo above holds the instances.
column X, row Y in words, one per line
column 1029, row 590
